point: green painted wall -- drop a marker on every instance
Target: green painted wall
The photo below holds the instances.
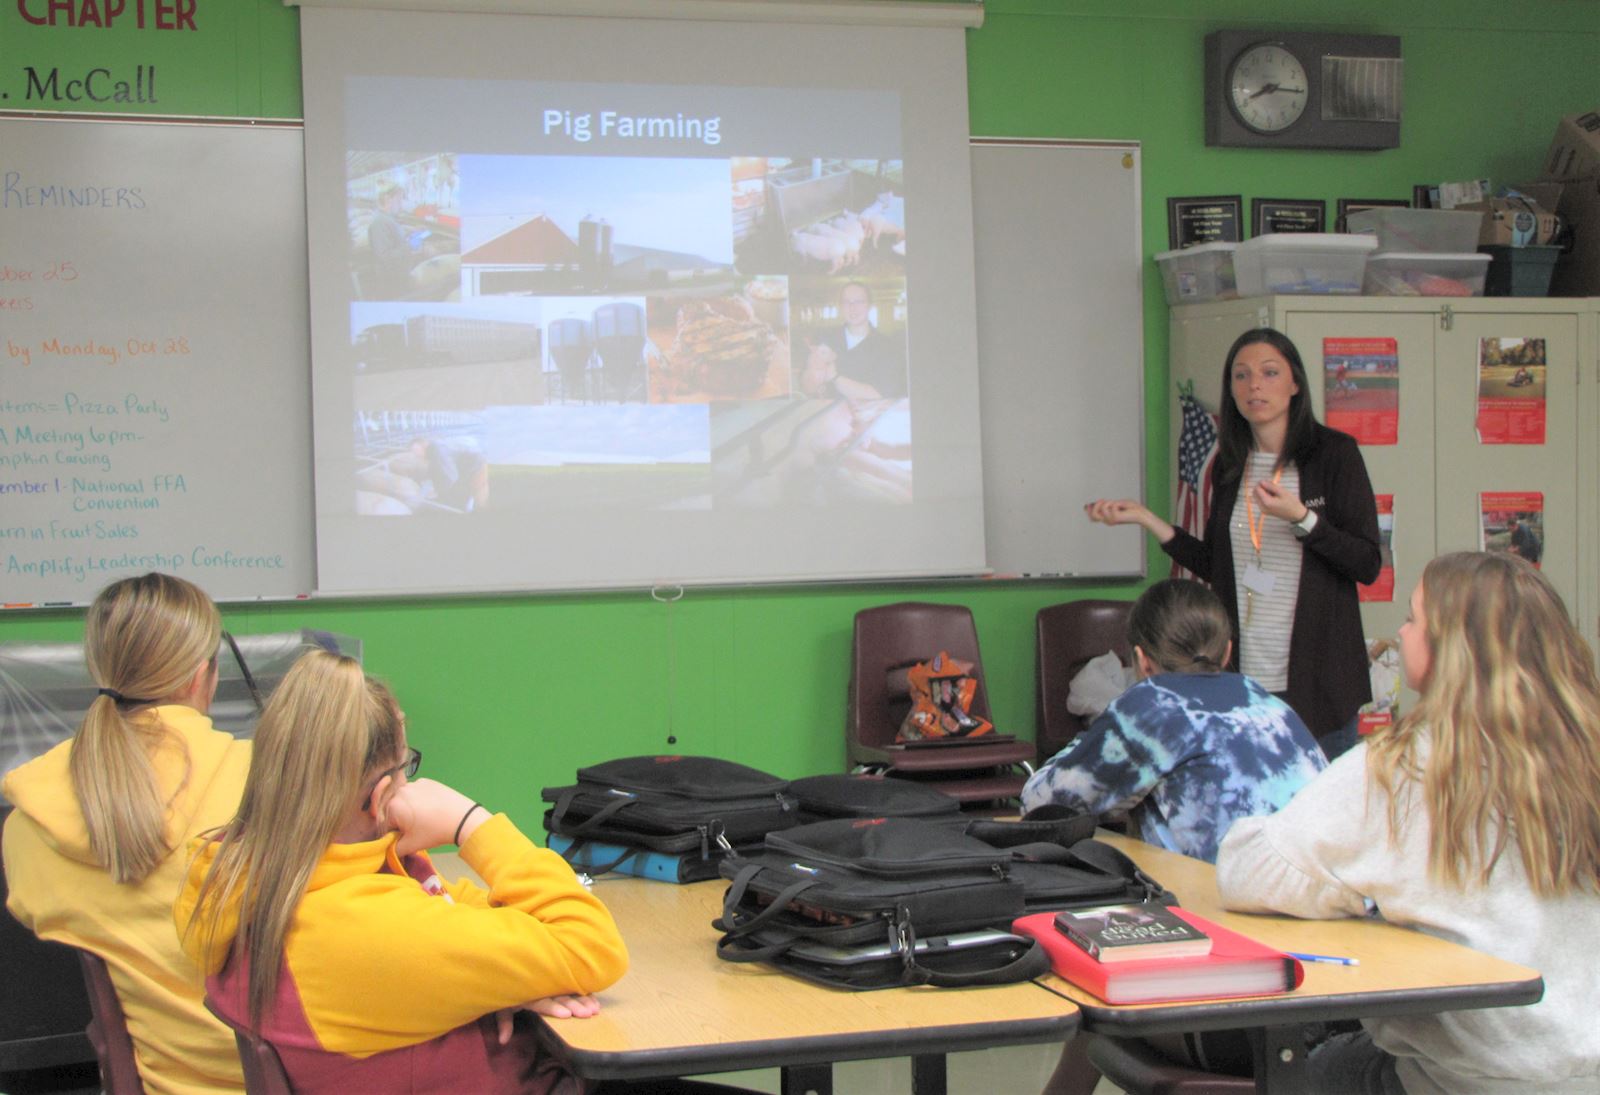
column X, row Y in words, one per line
column 508, row 694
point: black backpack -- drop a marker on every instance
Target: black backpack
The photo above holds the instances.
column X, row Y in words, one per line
column 696, row 808
column 839, row 795
column 859, row 903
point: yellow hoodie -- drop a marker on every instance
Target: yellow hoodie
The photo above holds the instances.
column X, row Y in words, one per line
column 61, row 894
column 391, row 976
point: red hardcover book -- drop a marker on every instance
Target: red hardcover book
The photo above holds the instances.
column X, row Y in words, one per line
column 1236, row 966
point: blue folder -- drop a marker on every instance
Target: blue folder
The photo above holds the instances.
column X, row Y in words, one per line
column 687, row 867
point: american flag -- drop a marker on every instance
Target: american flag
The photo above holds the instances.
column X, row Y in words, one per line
column 1197, row 460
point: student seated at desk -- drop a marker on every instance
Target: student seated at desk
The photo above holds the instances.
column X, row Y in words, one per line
column 1472, row 818
column 320, row 922
column 1189, row 748
column 97, row 846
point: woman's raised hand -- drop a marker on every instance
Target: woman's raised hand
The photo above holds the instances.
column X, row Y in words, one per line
column 1127, row 511
column 1283, row 504
column 1117, row 511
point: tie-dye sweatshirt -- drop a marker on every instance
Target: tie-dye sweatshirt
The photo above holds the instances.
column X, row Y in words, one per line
column 1188, row 754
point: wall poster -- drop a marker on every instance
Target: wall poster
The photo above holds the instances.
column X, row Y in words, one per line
column 1382, row 589
column 1361, row 382
column 1513, row 521
column 1511, row 377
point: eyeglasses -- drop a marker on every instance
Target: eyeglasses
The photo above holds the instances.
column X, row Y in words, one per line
column 410, row 767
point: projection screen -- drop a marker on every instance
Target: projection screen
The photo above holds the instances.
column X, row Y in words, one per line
column 603, row 303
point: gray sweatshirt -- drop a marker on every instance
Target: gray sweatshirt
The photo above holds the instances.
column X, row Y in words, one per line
column 1328, row 852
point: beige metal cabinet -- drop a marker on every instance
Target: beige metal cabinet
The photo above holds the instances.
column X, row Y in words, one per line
column 1438, row 467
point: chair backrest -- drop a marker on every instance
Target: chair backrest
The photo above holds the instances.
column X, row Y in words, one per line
column 1067, row 636
column 263, row 1069
column 264, row 1073
column 108, row 1030
column 891, row 636
column 43, row 1006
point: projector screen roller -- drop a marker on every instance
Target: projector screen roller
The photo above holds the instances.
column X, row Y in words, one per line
column 606, row 303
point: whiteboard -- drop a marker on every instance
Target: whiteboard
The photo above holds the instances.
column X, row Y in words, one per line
column 1056, row 226
column 155, row 408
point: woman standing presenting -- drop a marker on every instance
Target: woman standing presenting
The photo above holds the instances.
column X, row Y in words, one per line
column 1293, row 527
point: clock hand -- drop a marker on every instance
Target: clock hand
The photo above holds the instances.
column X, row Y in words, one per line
column 1273, row 89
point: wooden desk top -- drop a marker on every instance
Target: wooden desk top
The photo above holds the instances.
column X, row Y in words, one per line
column 1402, row 972
column 682, row 1010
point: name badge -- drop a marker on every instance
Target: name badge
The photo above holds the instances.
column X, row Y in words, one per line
column 1257, row 580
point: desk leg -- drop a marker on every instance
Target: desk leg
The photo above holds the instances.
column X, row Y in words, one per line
column 928, row 1074
column 807, row 1080
column 1280, row 1059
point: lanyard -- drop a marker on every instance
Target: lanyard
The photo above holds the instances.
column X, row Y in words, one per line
column 1250, row 513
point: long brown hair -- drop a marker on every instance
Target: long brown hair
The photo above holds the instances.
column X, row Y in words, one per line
column 325, row 730
column 145, row 639
column 1510, row 713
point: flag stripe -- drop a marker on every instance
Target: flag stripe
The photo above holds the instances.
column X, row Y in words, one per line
column 1197, row 458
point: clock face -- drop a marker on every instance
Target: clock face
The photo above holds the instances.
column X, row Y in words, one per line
column 1267, row 87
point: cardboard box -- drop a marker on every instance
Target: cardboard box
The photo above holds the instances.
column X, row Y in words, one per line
column 1575, row 153
column 1574, row 161
column 1530, row 220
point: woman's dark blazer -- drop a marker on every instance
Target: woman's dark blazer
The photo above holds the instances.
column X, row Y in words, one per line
column 1329, row 677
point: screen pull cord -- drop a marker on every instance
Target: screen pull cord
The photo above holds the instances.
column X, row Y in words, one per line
column 670, row 596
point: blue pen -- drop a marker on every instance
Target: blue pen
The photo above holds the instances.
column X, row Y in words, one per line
column 1328, row 959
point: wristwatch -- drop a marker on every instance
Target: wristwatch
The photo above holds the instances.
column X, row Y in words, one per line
column 1302, row 528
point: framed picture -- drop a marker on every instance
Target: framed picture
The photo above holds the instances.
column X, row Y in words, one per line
column 1204, row 220
column 1359, row 205
column 1287, row 215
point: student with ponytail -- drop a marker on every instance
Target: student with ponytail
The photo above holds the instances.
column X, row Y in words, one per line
column 1190, row 747
column 96, row 849
column 321, row 924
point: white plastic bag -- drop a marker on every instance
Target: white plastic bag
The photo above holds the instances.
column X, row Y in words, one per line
column 1100, row 681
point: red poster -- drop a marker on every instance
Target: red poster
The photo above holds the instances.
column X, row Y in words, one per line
column 1361, row 380
column 1382, row 588
column 1511, row 379
column 1513, row 521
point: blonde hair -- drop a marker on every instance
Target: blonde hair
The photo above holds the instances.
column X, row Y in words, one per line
column 1510, row 711
column 145, row 639
column 325, row 731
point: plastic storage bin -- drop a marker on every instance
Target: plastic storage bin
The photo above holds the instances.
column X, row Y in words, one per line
column 1302, row 262
column 1199, row 273
column 1424, row 275
column 1435, row 231
column 1519, row 271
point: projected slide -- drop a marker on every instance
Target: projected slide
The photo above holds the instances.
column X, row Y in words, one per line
column 647, row 298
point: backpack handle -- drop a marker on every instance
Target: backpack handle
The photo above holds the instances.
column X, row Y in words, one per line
column 734, row 923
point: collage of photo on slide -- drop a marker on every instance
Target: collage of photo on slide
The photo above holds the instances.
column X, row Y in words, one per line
column 555, row 332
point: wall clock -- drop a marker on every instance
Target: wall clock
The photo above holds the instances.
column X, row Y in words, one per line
column 1296, row 89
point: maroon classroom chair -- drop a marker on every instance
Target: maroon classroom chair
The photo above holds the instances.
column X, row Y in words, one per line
column 108, row 1029
column 991, row 768
column 1068, row 636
